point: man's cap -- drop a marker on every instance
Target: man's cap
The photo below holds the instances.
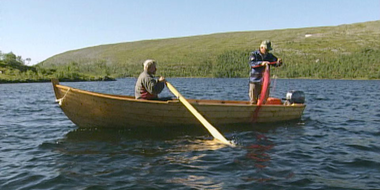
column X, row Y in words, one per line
column 266, row 44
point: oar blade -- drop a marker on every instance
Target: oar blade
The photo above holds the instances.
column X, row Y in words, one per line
column 213, row 131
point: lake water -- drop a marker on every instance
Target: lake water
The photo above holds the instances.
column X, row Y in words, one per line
column 335, row 145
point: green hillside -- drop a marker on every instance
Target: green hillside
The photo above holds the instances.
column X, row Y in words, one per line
column 346, row 51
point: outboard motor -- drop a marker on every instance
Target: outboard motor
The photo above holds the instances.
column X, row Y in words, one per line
column 294, row 96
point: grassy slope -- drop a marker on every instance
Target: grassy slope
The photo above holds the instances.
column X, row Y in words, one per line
column 187, row 56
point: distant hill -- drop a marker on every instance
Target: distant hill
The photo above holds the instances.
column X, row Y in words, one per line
column 350, row 51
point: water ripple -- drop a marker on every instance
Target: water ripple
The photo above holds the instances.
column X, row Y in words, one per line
column 334, row 146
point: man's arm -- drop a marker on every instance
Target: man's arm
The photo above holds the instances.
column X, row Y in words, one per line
column 253, row 62
column 154, row 86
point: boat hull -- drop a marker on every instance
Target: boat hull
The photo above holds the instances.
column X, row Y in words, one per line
column 90, row 109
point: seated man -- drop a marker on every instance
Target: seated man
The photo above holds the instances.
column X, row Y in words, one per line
column 147, row 87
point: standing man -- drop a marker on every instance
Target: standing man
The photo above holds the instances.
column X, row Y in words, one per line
column 258, row 60
column 147, row 87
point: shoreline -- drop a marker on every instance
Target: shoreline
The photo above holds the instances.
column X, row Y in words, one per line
column 2, row 81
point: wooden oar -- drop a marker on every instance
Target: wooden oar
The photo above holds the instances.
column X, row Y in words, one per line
column 214, row 132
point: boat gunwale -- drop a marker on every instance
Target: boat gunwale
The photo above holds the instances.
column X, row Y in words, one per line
column 193, row 101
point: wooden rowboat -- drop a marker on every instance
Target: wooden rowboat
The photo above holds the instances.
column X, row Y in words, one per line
column 92, row 109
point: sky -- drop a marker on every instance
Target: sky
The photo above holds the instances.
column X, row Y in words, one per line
column 39, row 29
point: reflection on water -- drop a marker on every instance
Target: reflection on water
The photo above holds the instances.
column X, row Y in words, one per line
column 260, row 155
column 182, row 139
column 181, row 158
column 197, row 182
column 133, row 133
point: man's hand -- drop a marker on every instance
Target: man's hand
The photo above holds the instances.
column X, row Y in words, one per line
column 279, row 62
column 264, row 63
column 161, row 79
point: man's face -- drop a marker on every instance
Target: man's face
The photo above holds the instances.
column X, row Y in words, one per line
column 263, row 50
column 152, row 69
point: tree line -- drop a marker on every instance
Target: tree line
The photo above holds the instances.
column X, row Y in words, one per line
column 13, row 69
column 360, row 64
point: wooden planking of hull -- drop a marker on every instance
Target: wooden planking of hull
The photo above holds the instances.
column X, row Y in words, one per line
column 91, row 109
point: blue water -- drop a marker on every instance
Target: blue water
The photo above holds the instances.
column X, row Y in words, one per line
column 335, row 145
